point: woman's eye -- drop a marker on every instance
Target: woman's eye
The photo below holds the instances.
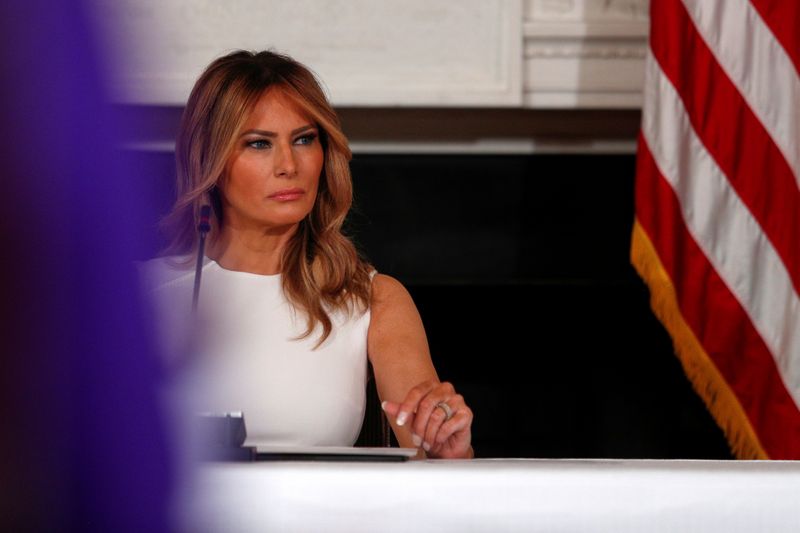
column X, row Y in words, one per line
column 259, row 144
column 306, row 139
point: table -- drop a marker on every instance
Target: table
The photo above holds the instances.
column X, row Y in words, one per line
column 495, row 495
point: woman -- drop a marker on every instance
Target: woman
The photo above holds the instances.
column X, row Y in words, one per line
column 291, row 309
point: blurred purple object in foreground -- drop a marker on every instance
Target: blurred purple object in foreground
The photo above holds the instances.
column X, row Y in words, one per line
column 83, row 445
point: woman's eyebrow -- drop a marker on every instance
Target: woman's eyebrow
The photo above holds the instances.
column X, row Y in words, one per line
column 266, row 133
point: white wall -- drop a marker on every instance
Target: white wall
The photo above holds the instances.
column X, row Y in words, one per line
column 536, row 54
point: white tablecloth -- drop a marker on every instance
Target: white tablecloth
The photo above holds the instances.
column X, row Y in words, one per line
column 495, row 495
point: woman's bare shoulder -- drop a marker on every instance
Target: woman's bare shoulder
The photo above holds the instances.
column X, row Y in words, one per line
column 387, row 289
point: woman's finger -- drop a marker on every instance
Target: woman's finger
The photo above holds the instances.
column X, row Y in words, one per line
column 410, row 405
column 455, row 433
column 432, row 428
column 440, row 415
column 430, row 416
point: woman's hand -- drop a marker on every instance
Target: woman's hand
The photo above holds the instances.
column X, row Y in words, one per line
column 424, row 411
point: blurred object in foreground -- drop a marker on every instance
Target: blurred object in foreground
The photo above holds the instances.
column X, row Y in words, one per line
column 82, row 445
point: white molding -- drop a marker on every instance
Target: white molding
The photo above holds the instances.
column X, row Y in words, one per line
column 394, row 53
column 557, row 50
column 538, row 54
column 637, row 30
column 584, row 53
column 581, row 10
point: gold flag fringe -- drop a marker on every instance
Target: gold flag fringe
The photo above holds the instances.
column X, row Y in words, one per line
column 701, row 371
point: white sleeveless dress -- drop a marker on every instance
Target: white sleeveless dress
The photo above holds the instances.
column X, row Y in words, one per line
column 247, row 358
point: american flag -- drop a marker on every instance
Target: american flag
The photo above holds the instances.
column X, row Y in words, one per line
column 717, row 230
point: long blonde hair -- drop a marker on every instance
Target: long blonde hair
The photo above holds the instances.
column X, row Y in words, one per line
column 321, row 269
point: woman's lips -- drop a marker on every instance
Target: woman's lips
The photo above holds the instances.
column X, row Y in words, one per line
column 286, row 195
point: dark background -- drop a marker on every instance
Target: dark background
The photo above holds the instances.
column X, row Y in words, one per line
column 519, row 266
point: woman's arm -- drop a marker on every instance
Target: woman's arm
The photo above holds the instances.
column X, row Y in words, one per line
column 406, row 379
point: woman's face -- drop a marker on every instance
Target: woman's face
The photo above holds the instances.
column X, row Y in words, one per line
column 272, row 176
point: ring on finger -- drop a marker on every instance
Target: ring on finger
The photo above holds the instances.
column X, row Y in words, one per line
column 448, row 411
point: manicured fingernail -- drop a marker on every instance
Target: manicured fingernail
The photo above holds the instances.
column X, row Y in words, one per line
column 426, row 446
column 416, row 440
column 383, row 405
column 401, row 418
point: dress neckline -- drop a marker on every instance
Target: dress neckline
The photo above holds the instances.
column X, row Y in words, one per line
column 241, row 273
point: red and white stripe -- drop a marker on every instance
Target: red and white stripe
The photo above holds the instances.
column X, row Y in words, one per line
column 718, row 193
column 754, row 60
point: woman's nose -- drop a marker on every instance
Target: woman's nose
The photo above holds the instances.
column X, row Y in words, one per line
column 285, row 164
